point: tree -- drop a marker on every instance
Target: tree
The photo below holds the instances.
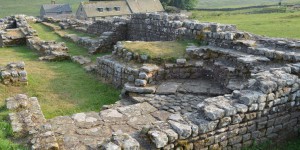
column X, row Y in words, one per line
column 182, row 4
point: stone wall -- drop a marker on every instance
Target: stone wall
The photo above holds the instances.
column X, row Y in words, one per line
column 13, row 74
column 106, row 25
column 218, row 64
column 268, row 109
column 14, row 31
column 27, row 120
column 80, row 25
column 50, row 50
column 140, row 77
column 164, row 27
column 114, row 72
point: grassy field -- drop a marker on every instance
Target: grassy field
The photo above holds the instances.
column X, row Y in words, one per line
column 63, row 88
column 30, row 7
column 9, row 7
column 284, row 25
column 164, row 50
column 49, row 34
column 239, row 3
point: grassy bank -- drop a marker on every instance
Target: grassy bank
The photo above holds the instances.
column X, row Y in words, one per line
column 239, row 3
column 284, row 25
column 32, row 7
column 48, row 34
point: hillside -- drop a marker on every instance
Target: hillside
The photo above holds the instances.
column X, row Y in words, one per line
column 239, row 3
column 29, row 7
column 32, row 7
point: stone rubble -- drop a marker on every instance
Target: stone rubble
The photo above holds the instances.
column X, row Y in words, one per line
column 14, row 74
column 81, row 60
column 50, row 50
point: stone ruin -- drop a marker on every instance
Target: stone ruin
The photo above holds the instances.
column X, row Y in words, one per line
column 109, row 31
column 236, row 89
column 50, row 50
column 15, row 30
column 13, row 74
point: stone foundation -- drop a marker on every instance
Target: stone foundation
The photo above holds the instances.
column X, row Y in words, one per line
column 13, row 74
column 266, row 110
column 50, row 50
column 27, row 119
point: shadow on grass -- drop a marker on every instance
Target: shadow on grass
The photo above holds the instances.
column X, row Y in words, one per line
column 63, row 88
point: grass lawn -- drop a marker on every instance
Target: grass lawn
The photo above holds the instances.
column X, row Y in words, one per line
column 158, row 49
column 48, row 34
column 63, row 88
column 239, row 3
column 30, row 7
column 284, row 25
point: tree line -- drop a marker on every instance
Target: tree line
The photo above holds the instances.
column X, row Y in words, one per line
column 182, row 4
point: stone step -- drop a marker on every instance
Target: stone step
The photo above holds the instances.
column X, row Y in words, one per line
column 109, row 33
column 240, row 57
column 278, row 54
column 248, row 43
column 81, row 60
column 131, row 88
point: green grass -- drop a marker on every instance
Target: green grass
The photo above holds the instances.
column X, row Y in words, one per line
column 11, row 7
column 239, row 3
column 6, row 132
column 285, row 25
column 47, row 33
column 163, row 50
column 63, row 88
column 30, row 7
column 269, row 145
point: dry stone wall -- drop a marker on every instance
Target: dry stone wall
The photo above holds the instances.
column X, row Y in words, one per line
column 14, row 30
column 14, row 74
column 22, row 33
column 164, row 27
column 50, row 50
column 27, row 119
column 268, row 109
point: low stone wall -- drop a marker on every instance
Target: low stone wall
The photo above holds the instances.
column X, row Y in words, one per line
column 118, row 73
column 268, row 109
column 27, row 120
column 13, row 74
column 80, row 25
column 49, row 50
column 164, row 27
column 106, row 25
column 14, row 31
column 114, row 72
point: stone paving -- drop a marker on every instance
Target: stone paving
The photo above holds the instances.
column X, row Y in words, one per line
column 90, row 130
